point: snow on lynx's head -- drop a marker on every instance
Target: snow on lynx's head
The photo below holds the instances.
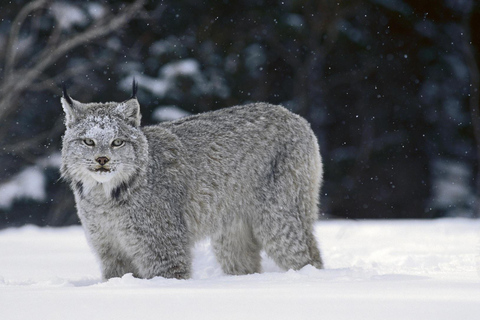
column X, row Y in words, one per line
column 103, row 143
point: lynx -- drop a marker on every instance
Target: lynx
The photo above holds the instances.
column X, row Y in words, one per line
column 247, row 176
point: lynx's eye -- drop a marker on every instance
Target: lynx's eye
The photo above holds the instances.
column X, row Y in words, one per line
column 89, row 142
column 118, row 143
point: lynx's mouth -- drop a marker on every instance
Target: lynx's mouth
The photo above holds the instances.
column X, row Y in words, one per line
column 103, row 169
column 102, row 174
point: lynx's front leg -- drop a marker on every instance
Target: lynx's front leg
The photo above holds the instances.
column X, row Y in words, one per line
column 115, row 266
column 162, row 250
column 158, row 265
column 163, row 259
column 114, row 262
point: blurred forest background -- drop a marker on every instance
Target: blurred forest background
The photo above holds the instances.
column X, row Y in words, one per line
column 390, row 87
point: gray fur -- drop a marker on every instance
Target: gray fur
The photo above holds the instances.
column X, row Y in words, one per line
column 247, row 176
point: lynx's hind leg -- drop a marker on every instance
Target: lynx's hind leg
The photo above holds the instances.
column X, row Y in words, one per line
column 307, row 209
column 286, row 240
column 290, row 206
column 236, row 249
column 310, row 204
column 315, row 257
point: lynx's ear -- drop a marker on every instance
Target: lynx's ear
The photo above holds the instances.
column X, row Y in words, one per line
column 130, row 111
column 73, row 109
column 134, row 89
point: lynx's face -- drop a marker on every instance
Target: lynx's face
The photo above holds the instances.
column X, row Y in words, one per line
column 102, row 148
column 103, row 143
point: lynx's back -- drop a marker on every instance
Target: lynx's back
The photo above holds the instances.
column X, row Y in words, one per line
column 241, row 156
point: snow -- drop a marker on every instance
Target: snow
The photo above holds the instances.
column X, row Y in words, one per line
column 186, row 67
column 166, row 46
column 96, row 10
column 167, row 76
column 255, row 57
column 30, row 183
column 68, row 15
column 452, row 191
column 169, row 113
column 169, row 79
column 374, row 270
column 295, row 20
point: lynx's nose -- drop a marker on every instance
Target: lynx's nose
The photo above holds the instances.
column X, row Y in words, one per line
column 102, row 160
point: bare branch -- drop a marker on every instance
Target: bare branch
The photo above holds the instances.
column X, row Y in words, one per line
column 13, row 38
column 94, row 32
column 18, row 82
column 25, row 145
column 50, row 83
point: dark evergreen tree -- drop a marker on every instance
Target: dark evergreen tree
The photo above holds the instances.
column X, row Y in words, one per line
column 390, row 88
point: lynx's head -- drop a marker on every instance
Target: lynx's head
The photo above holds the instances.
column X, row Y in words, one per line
column 103, row 143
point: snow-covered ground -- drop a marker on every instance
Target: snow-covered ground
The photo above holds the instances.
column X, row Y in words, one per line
column 374, row 270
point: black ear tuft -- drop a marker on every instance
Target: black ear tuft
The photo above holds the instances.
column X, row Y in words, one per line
column 134, row 89
column 65, row 95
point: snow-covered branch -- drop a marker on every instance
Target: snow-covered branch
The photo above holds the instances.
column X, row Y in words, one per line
column 16, row 81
